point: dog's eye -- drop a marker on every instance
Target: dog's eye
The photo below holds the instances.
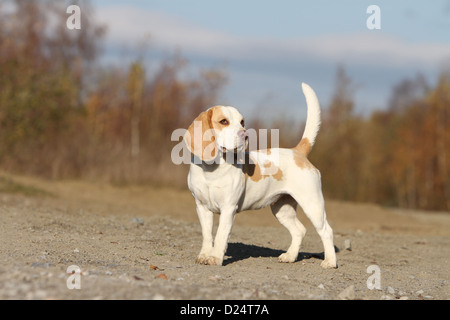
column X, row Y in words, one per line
column 242, row 123
column 224, row 122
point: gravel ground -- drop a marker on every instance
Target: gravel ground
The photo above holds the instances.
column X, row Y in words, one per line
column 141, row 243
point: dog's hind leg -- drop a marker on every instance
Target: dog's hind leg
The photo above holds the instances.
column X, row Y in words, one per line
column 313, row 205
column 285, row 211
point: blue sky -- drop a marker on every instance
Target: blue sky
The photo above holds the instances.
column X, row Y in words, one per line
column 269, row 47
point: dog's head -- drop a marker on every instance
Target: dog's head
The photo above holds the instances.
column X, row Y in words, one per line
column 216, row 130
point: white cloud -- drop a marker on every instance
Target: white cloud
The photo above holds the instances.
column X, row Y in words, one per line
column 130, row 25
column 378, row 49
column 262, row 67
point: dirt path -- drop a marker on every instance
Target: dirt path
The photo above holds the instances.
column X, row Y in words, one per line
column 141, row 243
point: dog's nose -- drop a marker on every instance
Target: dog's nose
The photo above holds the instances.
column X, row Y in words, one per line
column 242, row 134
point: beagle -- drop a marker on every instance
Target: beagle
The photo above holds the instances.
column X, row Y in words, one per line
column 224, row 179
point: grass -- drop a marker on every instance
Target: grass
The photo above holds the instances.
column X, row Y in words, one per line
column 7, row 185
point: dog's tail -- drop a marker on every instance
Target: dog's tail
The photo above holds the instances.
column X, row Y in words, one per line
column 312, row 121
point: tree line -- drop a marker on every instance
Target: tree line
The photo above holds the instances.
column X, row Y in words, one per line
column 398, row 156
column 64, row 115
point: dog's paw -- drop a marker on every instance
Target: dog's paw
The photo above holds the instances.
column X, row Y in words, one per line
column 213, row 261
column 286, row 258
column 328, row 264
column 201, row 259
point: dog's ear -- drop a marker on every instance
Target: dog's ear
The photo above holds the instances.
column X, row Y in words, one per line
column 199, row 137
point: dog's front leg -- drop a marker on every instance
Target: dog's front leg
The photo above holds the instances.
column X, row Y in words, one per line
column 206, row 221
column 223, row 234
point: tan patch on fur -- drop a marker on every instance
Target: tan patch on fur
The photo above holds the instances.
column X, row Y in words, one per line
column 301, row 160
column 216, row 117
column 196, row 147
column 301, row 152
column 253, row 170
column 304, row 146
column 279, row 173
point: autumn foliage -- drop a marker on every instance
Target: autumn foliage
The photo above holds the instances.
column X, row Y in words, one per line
column 63, row 115
column 397, row 157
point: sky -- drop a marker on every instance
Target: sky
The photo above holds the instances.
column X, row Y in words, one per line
column 267, row 48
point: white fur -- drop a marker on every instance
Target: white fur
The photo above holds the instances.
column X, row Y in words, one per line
column 313, row 116
column 228, row 138
column 224, row 188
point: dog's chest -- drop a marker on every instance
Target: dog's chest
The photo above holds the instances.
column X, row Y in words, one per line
column 216, row 189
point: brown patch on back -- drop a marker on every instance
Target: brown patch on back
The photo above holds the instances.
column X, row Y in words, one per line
column 253, row 170
column 301, row 160
column 278, row 175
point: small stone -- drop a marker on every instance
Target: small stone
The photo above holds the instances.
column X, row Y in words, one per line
column 162, row 276
column 214, row 278
column 403, row 298
column 390, row 290
column 320, row 286
column 138, row 221
column 347, row 245
column 41, row 265
column 348, row 293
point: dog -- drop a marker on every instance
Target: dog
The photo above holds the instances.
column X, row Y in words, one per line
column 279, row 177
